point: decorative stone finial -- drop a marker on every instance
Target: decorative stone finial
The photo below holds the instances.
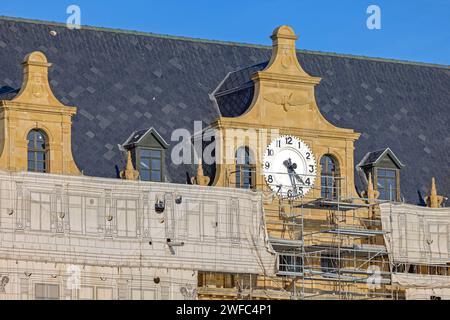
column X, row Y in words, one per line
column 370, row 194
column 434, row 200
column 200, row 178
column 284, row 56
column 35, row 87
column 129, row 173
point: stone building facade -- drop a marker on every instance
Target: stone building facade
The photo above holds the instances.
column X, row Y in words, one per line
column 94, row 204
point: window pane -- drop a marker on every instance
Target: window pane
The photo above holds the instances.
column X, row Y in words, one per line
column 144, row 164
column 148, row 153
column 30, row 165
column 40, row 166
column 30, row 141
column 393, row 195
column 39, row 292
column 145, row 153
column 390, row 173
column 145, row 175
column 155, row 153
column 30, row 135
column 247, row 182
column 39, row 137
column 243, row 156
column 40, row 156
column 53, row 292
column 156, row 175
column 390, row 183
column 156, row 164
column 382, row 194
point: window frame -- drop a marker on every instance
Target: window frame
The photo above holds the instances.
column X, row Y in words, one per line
column 46, row 291
column 393, row 196
column 35, row 150
column 287, row 263
column 330, row 263
column 245, row 171
column 150, row 170
column 332, row 186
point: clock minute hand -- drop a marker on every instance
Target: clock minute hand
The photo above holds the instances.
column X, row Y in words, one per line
column 291, row 169
column 292, row 174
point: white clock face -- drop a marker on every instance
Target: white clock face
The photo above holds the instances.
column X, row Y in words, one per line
column 289, row 167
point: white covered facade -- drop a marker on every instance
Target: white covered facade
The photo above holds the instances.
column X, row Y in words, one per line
column 67, row 237
column 418, row 237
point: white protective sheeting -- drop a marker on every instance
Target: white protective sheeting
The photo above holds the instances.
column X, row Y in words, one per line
column 416, row 235
column 419, row 287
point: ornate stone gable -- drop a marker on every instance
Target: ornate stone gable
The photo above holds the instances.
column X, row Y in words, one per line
column 35, row 107
column 284, row 101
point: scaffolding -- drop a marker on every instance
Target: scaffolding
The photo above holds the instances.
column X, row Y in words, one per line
column 327, row 248
column 331, row 248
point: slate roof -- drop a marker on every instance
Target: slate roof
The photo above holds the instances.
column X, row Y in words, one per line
column 123, row 81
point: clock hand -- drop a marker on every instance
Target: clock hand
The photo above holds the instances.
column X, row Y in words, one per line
column 291, row 172
column 291, row 169
column 287, row 163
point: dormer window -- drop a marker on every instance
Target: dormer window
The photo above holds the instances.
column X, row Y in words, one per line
column 384, row 166
column 148, row 153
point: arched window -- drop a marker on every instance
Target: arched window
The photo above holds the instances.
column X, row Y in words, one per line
column 245, row 169
column 329, row 175
column 37, row 151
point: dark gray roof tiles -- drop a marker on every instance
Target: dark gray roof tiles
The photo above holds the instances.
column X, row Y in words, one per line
column 8, row 93
column 123, row 82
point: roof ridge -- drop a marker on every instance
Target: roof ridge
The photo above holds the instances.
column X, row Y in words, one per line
column 242, row 44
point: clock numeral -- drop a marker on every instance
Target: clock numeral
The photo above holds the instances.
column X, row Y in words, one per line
column 288, row 140
column 308, row 181
column 267, row 165
column 311, row 168
column 299, row 145
column 300, row 191
column 279, row 188
column 308, row 155
column 289, row 193
column 278, row 143
column 270, row 179
column 270, row 152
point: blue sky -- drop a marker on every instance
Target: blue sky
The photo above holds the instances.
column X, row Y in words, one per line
column 416, row 30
